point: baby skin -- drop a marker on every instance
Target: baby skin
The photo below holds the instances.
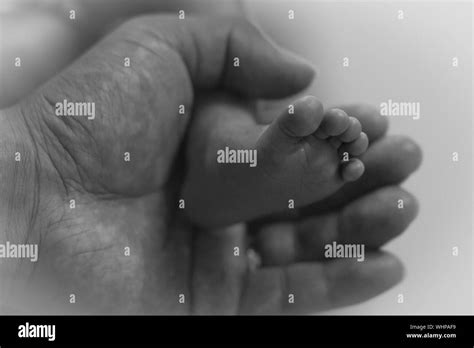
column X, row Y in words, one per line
column 303, row 156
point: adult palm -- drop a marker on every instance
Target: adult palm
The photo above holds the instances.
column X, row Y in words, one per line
column 100, row 196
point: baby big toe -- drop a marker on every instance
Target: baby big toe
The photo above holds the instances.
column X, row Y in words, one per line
column 306, row 118
column 281, row 137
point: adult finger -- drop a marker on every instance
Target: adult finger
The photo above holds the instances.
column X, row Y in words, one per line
column 387, row 162
column 306, row 288
column 370, row 221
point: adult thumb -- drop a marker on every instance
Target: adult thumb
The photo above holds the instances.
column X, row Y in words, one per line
column 139, row 80
column 229, row 52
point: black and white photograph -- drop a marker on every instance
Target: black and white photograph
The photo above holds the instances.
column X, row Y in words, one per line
column 244, row 160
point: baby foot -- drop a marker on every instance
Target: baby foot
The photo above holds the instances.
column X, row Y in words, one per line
column 305, row 155
column 312, row 149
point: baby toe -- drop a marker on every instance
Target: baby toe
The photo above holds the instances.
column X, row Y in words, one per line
column 306, row 117
column 352, row 169
column 353, row 132
column 335, row 122
column 356, row 147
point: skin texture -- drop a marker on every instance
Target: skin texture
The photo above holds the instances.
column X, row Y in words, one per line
column 43, row 30
column 134, row 204
column 293, row 162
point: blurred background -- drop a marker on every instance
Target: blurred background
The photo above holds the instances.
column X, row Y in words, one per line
column 407, row 59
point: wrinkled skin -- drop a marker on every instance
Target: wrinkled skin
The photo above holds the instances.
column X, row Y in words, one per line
column 134, row 204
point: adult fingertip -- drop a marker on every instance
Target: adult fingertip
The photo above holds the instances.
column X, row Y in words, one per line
column 410, row 151
column 377, row 217
column 410, row 205
column 391, row 160
column 300, row 71
column 386, row 268
column 379, row 272
column 376, row 273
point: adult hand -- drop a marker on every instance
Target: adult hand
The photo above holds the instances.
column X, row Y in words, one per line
column 122, row 204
